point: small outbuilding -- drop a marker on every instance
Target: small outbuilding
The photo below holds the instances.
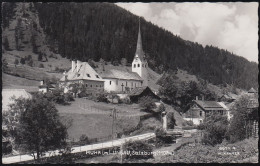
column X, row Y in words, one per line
column 139, row 92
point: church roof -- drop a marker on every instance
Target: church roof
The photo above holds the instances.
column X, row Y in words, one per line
column 7, row 95
column 86, row 72
column 119, row 74
column 139, row 47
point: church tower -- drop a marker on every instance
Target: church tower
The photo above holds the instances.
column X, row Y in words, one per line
column 139, row 64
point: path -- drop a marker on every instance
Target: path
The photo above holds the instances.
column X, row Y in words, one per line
column 98, row 146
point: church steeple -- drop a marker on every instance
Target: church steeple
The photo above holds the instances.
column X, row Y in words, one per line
column 139, row 47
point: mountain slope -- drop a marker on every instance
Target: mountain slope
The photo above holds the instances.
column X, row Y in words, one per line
column 103, row 30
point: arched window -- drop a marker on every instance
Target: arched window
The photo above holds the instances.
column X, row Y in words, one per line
column 134, row 65
column 138, row 65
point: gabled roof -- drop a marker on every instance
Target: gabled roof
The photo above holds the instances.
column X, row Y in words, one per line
column 209, row 105
column 7, row 94
column 252, row 90
column 119, row 74
column 137, row 91
column 86, row 72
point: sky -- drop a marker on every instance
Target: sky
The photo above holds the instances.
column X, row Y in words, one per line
column 232, row 25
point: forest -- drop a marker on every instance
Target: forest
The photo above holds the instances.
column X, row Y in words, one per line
column 86, row 31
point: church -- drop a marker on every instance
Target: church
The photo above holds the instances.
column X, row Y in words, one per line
column 112, row 80
column 118, row 80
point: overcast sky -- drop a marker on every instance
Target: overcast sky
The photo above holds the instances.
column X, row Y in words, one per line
column 231, row 26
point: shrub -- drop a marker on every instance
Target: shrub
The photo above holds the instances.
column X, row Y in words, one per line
column 16, row 62
column 147, row 103
column 125, row 100
column 101, row 97
column 215, row 128
column 41, row 66
column 189, row 123
column 138, row 147
column 84, row 139
column 161, row 137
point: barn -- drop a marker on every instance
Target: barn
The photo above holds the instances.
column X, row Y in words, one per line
column 139, row 92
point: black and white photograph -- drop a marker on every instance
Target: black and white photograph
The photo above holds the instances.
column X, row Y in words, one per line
column 129, row 82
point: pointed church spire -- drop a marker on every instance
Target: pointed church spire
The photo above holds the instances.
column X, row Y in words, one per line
column 139, row 48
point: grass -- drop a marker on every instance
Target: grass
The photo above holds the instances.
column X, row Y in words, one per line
column 96, row 121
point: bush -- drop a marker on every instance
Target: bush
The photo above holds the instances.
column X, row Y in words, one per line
column 41, row 66
column 137, row 147
column 171, row 120
column 16, row 62
column 68, row 97
column 125, row 100
column 84, row 139
column 147, row 103
column 215, row 128
column 189, row 123
column 101, row 97
column 161, row 136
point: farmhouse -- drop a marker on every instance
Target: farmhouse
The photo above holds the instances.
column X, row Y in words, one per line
column 82, row 73
column 200, row 109
column 8, row 96
column 121, row 81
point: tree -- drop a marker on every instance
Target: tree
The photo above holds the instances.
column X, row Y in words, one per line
column 22, row 61
column 171, row 122
column 41, row 65
column 238, row 124
column 16, row 62
column 6, row 44
column 39, row 128
column 124, row 61
column 5, row 67
column 215, row 128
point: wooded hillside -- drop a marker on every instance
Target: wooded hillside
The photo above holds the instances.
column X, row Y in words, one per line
column 103, row 30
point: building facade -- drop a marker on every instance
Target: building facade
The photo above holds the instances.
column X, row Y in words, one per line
column 82, row 73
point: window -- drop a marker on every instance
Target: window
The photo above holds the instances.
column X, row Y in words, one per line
column 90, row 85
column 132, row 84
column 200, row 113
column 96, row 85
column 110, row 82
column 126, row 83
column 116, row 82
column 143, row 65
column 97, row 76
column 78, row 75
column 88, row 75
column 134, row 65
column 86, row 85
column 138, row 65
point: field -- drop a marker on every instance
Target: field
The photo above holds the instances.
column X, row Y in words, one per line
column 95, row 120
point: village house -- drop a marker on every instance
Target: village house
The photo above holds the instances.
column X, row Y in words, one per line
column 44, row 88
column 140, row 92
column 228, row 98
column 82, row 73
column 122, row 81
column 200, row 109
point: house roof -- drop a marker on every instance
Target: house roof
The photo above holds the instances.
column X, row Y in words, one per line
column 7, row 95
column 86, row 72
column 137, row 91
column 209, row 105
column 252, row 90
column 119, row 74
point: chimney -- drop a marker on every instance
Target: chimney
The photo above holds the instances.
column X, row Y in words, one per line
column 78, row 65
column 202, row 97
column 73, row 65
column 197, row 98
column 41, row 82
